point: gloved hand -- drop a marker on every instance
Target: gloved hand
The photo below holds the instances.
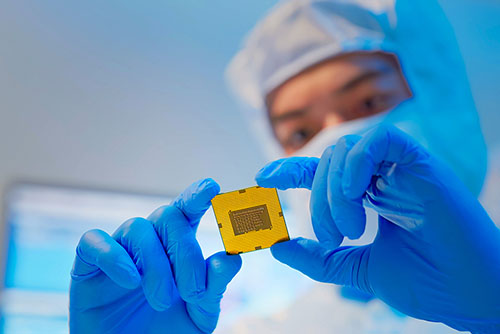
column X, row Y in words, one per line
column 437, row 253
column 150, row 275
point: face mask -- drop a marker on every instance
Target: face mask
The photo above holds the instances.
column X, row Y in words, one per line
column 299, row 200
column 330, row 136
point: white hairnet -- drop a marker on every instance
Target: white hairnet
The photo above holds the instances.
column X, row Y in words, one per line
column 297, row 34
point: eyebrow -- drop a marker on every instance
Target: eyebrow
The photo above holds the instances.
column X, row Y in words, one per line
column 370, row 74
column 293, row 114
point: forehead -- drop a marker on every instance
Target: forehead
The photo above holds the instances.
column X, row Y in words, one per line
column 327, row 76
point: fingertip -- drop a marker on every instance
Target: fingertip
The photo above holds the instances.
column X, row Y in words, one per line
column 262, row 182
column 236, row 263
column 280, row 249
column 262, row 176
column 286, row 173
column 329, row 244
column 281, row 244
column 357, row 226
column 352, row 235
column 275, row 250
column 195, row 200
column 260, row 173
column 329, row 241
column 328, row 152
column 350, row 219
column 97, row 249
column 324, row 226
column 222, row 263
column 299, row 254
column 208, row 186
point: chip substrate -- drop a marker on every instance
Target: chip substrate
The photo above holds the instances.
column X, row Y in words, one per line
column 250, row 219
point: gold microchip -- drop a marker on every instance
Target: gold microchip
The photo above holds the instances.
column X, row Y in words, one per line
column 250, row 219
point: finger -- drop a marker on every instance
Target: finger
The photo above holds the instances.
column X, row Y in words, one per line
column 348, row 214
column 384, row 143
column 97, row 251
column 345, row 265
column 140, row 240
column 178, row 238
column 323, row 224
column 176, row 226
column 221, row 268
column 195, row 200
column 295, row 172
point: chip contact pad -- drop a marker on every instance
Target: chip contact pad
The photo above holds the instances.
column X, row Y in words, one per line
column 249, row 219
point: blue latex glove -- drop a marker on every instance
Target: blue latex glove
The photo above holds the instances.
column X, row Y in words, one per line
column 437, row 253
column 150, row 275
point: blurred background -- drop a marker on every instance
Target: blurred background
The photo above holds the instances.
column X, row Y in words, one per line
column 110, row 108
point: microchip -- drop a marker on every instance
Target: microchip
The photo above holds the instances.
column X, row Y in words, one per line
column 250, row 219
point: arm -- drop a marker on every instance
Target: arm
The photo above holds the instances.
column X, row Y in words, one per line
column 437, row 253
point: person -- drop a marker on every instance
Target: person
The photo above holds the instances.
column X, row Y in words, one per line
column 436, row 256
column 397, row 62
column 311, row 71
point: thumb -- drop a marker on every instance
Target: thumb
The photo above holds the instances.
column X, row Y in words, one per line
column 221, row 268
column 344, row 265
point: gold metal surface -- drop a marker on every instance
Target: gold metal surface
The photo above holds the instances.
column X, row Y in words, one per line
column 250, row 219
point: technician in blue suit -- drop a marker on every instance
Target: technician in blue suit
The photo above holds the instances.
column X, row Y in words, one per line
column 312, row 71
column 436, row 256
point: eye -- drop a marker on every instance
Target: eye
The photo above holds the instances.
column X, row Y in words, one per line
column 298, row 138
column 373, row 104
